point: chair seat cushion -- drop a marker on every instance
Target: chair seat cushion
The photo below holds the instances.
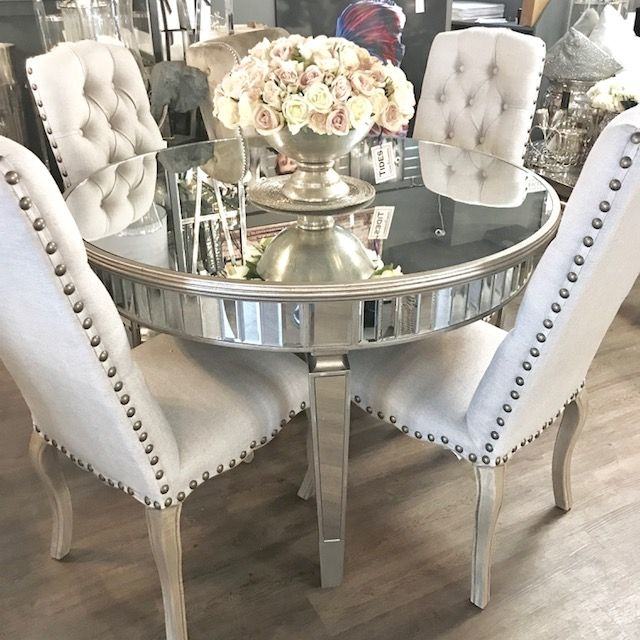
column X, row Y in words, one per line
column 424, row 388
column 220, row 402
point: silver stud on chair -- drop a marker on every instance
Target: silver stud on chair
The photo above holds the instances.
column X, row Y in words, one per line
column 25, row 203
column 626, row 162
column 12, row 177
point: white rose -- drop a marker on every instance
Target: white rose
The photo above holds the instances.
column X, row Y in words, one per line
column 261, row 50
column 272, row 94
column 360, row 110
column 349, row 58
column 319, row 97
column 226, row 110
column 404, row 98
column 246, row 107
column 327, row 64
column 295, row 110
column 233, row 84
column 379, row 102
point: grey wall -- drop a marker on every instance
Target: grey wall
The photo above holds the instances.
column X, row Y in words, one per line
column 250, row 10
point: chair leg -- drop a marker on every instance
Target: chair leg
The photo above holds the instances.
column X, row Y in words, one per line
column 308, row 487
column 164, row 535
column 568, row 433
column 46, row 463
column 490, row 487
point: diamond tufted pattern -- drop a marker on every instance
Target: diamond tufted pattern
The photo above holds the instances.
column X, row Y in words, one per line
column 480, row 91
column 94, row 106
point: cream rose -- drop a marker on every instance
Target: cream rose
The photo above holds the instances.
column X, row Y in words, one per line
column 234, row 83
column 338, row 122
column 379, row 102
column 404, row 98
column 392, row 118
column 360, row 110
column 348, row 56
column 227, row 111
column 310, row 75
column 267, row 120
column 362, row 83
column 295, row 110
column 272, row 94
column 246, row 107
column 319, row 97
column 318, row 122
column 261, row 49
column 281, row 49
column 341, row 88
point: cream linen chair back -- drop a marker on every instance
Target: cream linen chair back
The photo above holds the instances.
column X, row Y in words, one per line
column 93, row 105
column 574, row 294
column 217, row 57
column 480, row 90
column 63, row 342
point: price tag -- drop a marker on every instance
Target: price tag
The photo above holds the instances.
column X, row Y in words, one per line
column 384, row 162
column 381, row 223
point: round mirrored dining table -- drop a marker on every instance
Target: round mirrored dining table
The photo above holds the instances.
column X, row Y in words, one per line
column 453, row 235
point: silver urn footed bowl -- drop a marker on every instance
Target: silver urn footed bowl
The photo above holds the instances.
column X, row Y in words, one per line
column 315, row 179
column 315, row 249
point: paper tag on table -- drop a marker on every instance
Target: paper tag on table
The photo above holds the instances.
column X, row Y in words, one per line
column 384, row 162
column 381, row 223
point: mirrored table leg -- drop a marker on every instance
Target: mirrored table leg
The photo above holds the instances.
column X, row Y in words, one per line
column 330, row 412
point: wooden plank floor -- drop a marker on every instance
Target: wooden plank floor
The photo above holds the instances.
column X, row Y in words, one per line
column 250, row 556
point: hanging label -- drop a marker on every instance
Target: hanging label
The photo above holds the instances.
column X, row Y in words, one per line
column 381, row 223
column 420, row 6
column 384, row 162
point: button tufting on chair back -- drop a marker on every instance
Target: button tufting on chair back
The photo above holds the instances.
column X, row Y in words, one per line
column 93, row 105
column 480, row 91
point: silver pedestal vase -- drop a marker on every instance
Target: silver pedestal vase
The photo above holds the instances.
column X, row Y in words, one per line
column 315, row 249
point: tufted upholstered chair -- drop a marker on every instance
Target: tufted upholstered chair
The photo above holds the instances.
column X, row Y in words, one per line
column 93, row 105
column 484, row 393
column 155, row 422
column 480, row 90
column 215, row 58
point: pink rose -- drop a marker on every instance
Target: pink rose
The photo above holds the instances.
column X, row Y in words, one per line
column 362, row 83
column 379, row 76
column 341, row 88
column 392, row 118
column 267, row 120
column 318, row 122
column 310, row 75
column 272, row 94
column 338, row 122
column 287, row 72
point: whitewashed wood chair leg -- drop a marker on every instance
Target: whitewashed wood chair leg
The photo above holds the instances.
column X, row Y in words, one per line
column 490, row 488
column 164, row 535
column 47, row 464
column 308, row 487
column 568, row 433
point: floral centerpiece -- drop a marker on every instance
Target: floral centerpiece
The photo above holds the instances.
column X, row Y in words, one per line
column 329, row 85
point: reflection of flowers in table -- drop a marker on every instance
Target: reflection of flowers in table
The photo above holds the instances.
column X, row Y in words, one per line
column 329, row 85
column 615, row 95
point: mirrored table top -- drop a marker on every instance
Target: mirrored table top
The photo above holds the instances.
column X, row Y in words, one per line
column 178, row 217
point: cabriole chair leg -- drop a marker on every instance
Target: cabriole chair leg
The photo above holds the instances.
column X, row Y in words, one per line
column 490, row 487
column 46, row 463
column 164, row 535
column 308, row 487
column 572, row 422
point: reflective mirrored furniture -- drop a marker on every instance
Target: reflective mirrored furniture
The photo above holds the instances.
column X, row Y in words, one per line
column 464, row 227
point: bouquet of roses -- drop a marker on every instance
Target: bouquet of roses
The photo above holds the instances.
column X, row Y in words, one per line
column 327, row 84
